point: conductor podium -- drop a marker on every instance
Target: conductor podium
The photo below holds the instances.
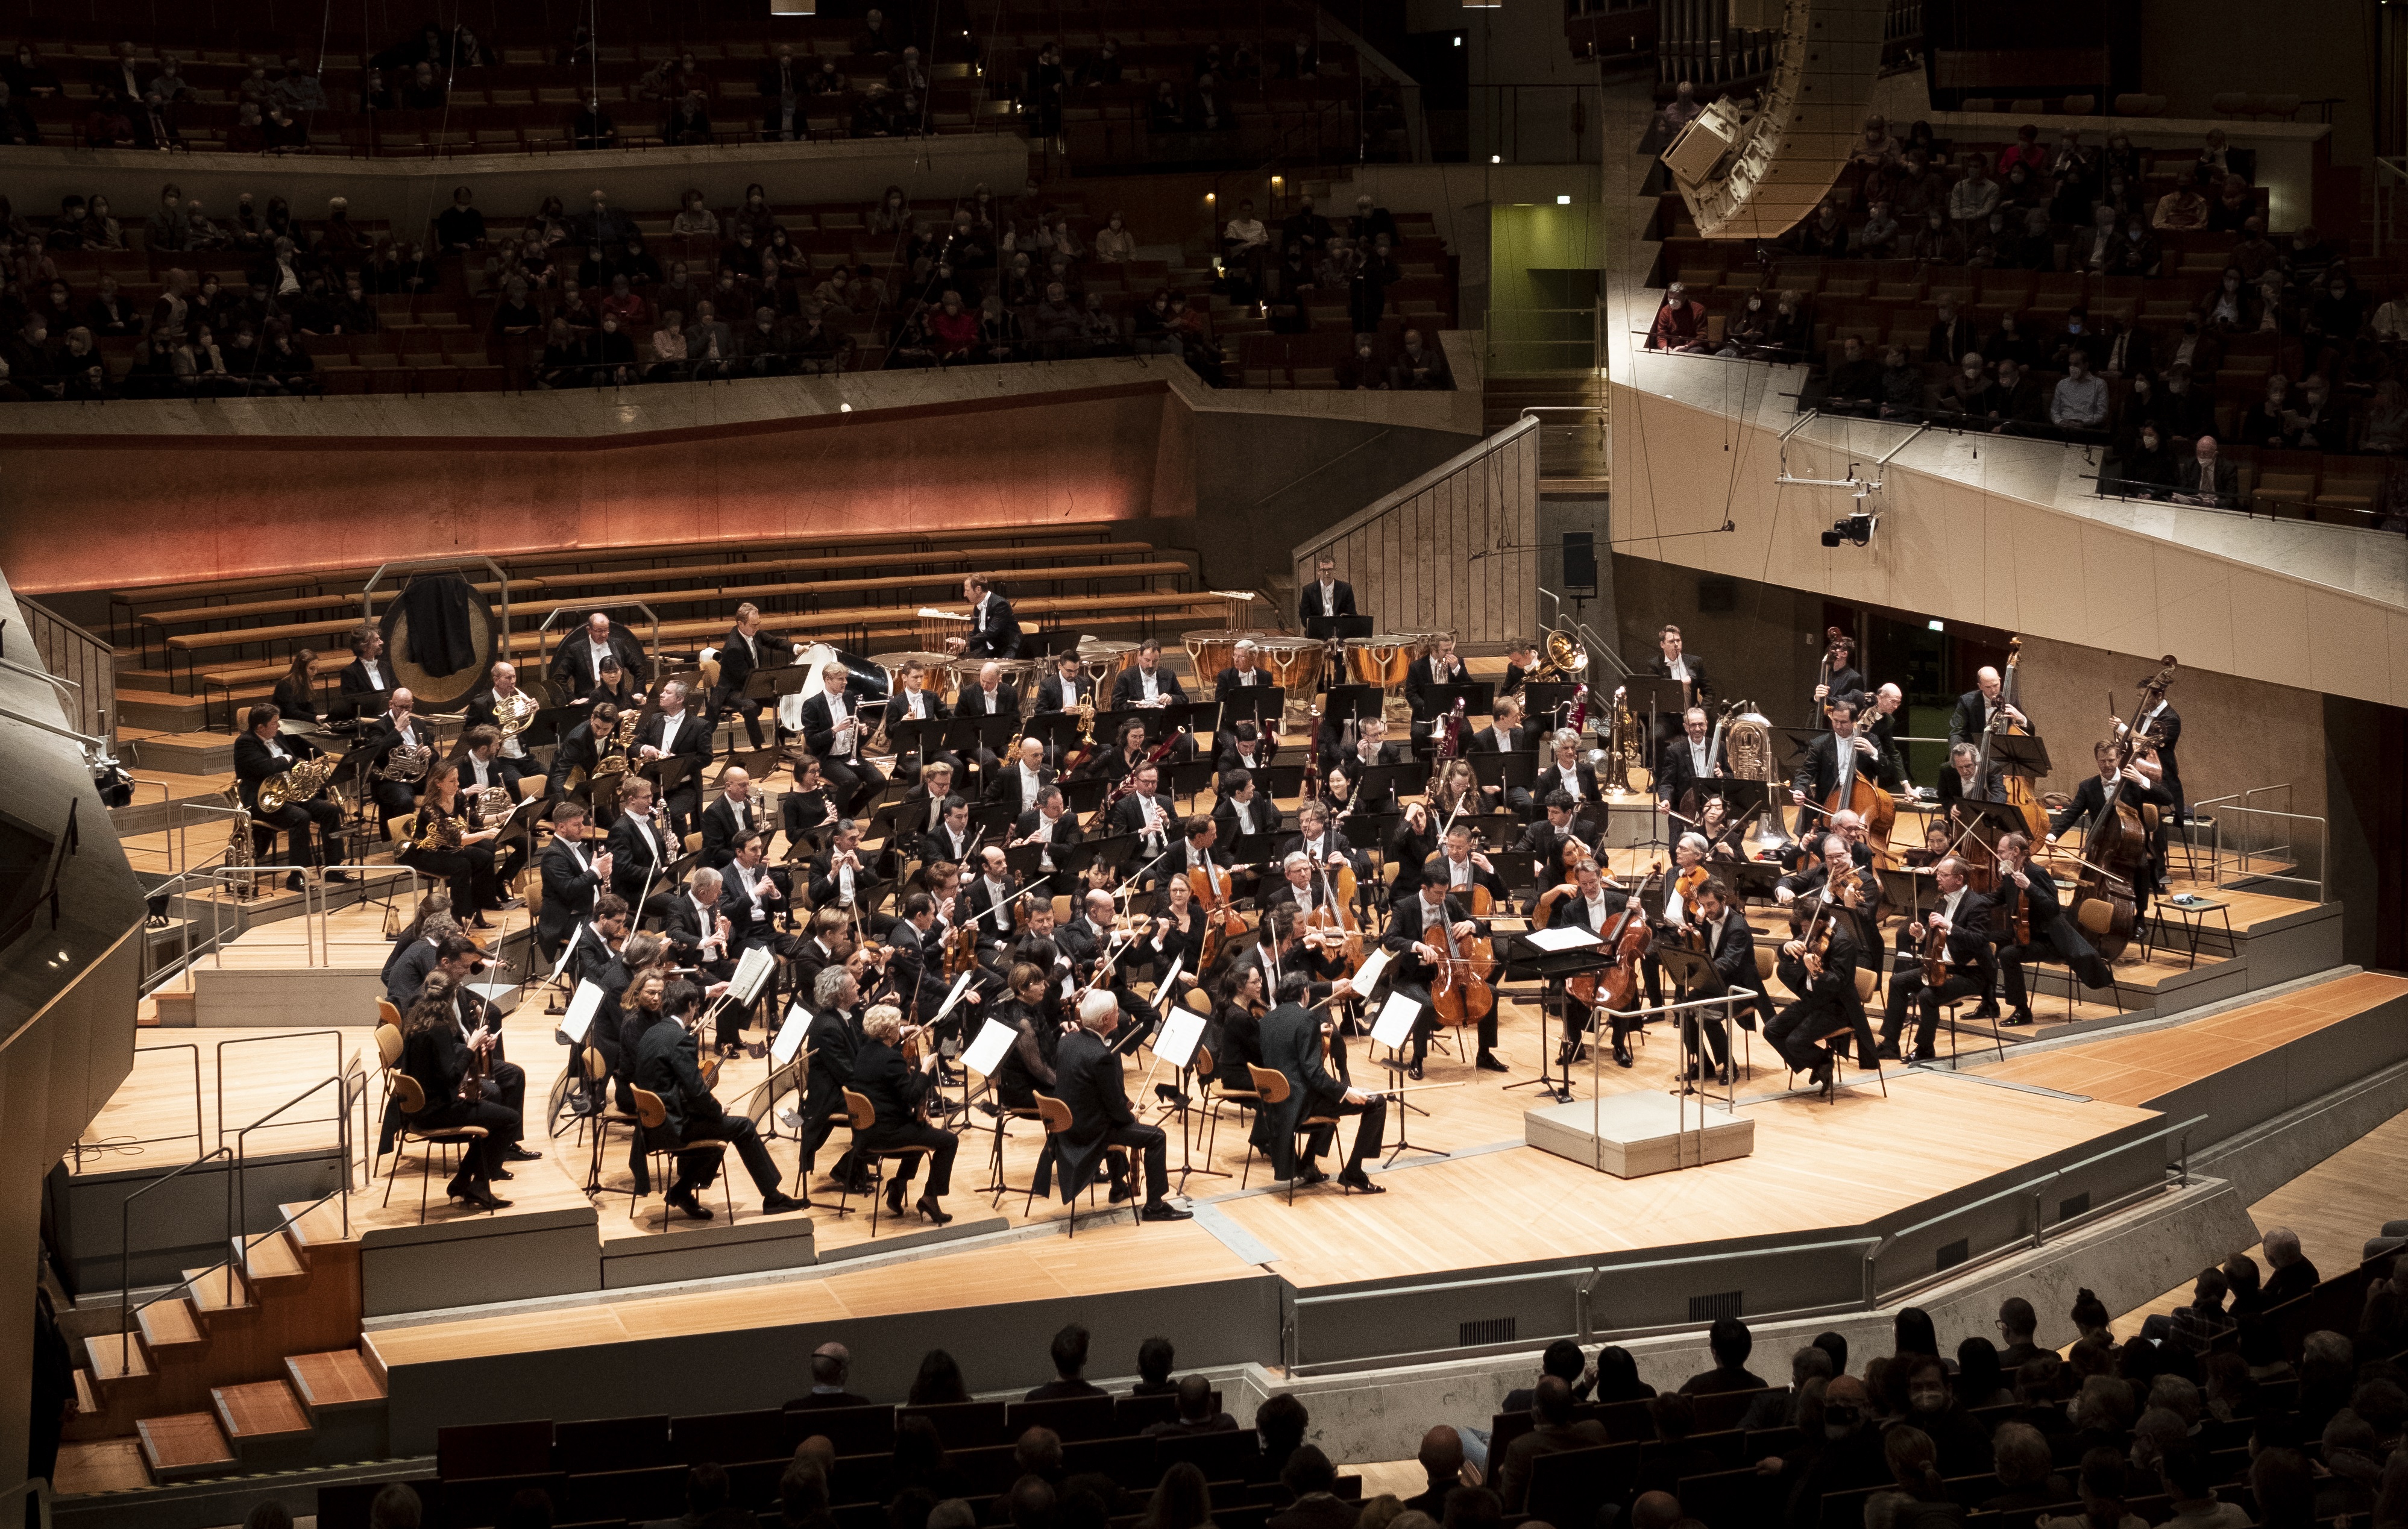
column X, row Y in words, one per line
column 1633, row 1134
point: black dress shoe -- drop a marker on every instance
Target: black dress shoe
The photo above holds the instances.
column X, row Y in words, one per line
column 501, row 1172
column 293, row 883
column 1123, row 1191
column 1888, row 1052
column 1622, row 1057
column 1359, row 1182
column 894, row 1196
column 1310, row 1177
column 516, row 1153
column 1414, row 1072
column 1923, row 1054
column 935, row 1212
column 776, row 1203
column 2020, row 1017
column 1163, row 1211
column 339, row 875
column 478, row 1195
column 1986, row 1011
column 1822, row 1074
column 1486, row 1061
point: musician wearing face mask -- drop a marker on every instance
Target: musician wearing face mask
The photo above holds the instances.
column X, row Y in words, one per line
column 385, row 744
column 1961, row 923
column 1427, row 928
column 2026, row 889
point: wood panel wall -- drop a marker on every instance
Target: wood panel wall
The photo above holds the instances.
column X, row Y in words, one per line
column 1452, row 551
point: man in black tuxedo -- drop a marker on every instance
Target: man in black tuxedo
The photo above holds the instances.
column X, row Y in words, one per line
column 366, row 676
column 1978, row 706
column 989, row 695
column 736, row 814
column 1244, row 748
column 1827, row 989
column 1328, row 594
column 640, row 846
column 572, row 880
column 951, row 839
column 1018, row 782
column 1731, row 944
column 482, row 767
column 1245, row 672
column 1689, row 761
column 842, row 878
column 1153, row 817
column 745, row 648
column 676, row 730
column 1819, row 773
column 1244, row 808
column 1596, row 908
column 1370, row 747
column 667, row 1064
column 595, row 959
column 753, row 903
column 1291, row 1042
column 995, row 633
column 1504, row 735
column 1441, row 667
column 2054, row 935
column 1962, row 921
column 913, row 701
column 2090, row 800
column 986, row 901
column 577, row 663
column 833, row 731
column 1964, row 779
column 1050, row 821
column 396, row 727
column 1103, row 1128
column 833, row 1044
column 1673, row 661
column 1424, row 929
column 1064, row 691
column 577, row 748
column 1567, row 771
column 261, row 754
column 918, row 965
column 1145, row 683
column 1323, row 845
column 485, row 711
column 1877, row 719
column 2162, row 725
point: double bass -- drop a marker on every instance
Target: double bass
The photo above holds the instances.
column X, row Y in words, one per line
column 2020, row 794
column 1854, row 793
column 2115, row 846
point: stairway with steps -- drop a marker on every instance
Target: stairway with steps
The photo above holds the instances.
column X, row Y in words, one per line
column 255, row 1364
column 1572, row 447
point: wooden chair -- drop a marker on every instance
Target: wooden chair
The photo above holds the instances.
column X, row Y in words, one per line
column 608, row 1116
column 1239, row 1101
column 1273, row 1089
column 413, row 1099
column 862, row 1115
column 651, row 1113
column 1057, row 1116
column 388, row 1048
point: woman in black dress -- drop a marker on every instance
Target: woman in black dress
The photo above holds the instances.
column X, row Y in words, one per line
column 434, row 1057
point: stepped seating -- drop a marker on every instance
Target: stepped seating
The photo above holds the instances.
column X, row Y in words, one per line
column 257, row 1363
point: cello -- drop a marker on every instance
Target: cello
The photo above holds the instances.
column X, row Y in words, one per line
column 1629, row 941
column 1461, row 995
column 1577, row 858
column 2115, row 846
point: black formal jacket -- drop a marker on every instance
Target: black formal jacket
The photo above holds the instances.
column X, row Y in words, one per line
column 632, row 863
column 933, row 706
column 818, row 726
column 2166, row 728
column 719, row 829
column 1971, row 952
column 2044, row 912
column 1967, row 722
column 572, row 664
column 1701, row 690
column 1231, row 680
column 827, row 891
column 353, row 680
column 1228, row 759
column 893, row 1086
column 1066, row 828
column 1418, row 683
column 407, row 974
column 685, row 931
column 1291, row 1046
column 1341, row 600
column 833, row 1044
column 994, row 632
column 1583, row 784
column 1128, row 815
column 576, row 747
column 736, row 661
column 438, row 1059
column 1819, row 773
column 970, row 701
column 692, row 742
column 1128, row 690
column 1519, row 739
column 938, row 845
column 1406, row 923
column 379, row 738
column 1831, row 998
column 1087, row 1077
column 254, row 764
column 500, row 771
column 1489, row 880
column 1004, row 785
column 1051, row 695
column 665, row 1064
column 568, row 892
column 2091, row 795
column 1266, row 812
column 1674, row 772
column 1987, row 787
column 1351, row 764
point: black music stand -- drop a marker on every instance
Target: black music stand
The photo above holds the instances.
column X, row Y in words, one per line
column 1084, row 796
column 1352, row 703
column 1252, row 851
column 1689, row 971
column 1911, row 892
column 549, row 725
column 1325, row 628
column 1526, row 963
column 2019, row 753
column 1059, row 729
column 774, row 683
column 1516, row 770
column 1551, row 698
column 1477, row 696
column 1393, row 781
column 921, row 736
column 1750, row 879
column 1252, row 703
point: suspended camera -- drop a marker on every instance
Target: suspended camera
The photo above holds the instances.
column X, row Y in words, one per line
column 1858, row 529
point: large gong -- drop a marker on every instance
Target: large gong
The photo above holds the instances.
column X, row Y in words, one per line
column 439, row 693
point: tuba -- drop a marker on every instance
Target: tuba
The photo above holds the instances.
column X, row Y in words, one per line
column 304, row 781
column 1747, row 743
column 1562, row 659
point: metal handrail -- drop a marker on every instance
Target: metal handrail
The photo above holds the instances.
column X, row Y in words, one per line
column 179, row 816
column 126, row 1309
column 79, row 1150
column 255, row 1040
column 322, row 907
column 170, row 890
column 342, row 1083
column 2236, row 803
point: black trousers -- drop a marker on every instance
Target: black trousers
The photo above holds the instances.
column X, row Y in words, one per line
column 2092, row 971
column 1427, row 1022
column 682, row 804
column 818, row 1125
column 1149, row 1143
column 727, row 699
column 1370, row 1133
column 697, row 1170
column 853, row 783
column 943, row 1144
column 295, row 819
column 501, row 1122
column 398, row 798
column 1907, row 986
column 1797, row 1034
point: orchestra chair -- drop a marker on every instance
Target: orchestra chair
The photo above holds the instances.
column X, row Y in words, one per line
column 1272, row 1087
column 602, row 1120
column 388, row 1042
column 652, row 1114
column 413, row 1102
column 861, row 1114
column 1057, row 1116
column 1847, row 1028
column 1998, row 1036
column 995, row 1187
column 1238, row 1101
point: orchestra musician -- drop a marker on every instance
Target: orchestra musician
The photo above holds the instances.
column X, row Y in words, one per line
column 995, row 633
column 1409, row 847
column 897, row 1091
column 1504, row 735
column 986, row 902
column 467, row 865
column 1938, row 838
column 1962, row 921
column 1292, row 1040
column 834, row 1046
column 2054, row 935
column 1544, row 843
column 1154, row 817
column 640, row 848
column 1301, row 883
column 1465, row 866
column 833, row 731
column 482, row 767
column 751, row 900
column 2090, row 798
column 485, row 710
column 1673, row 661
column 261, row 754
column 1978, row 708
column 1596, row 906
column 828, row 944
column 1441, row 667
column 743, row 650
column 1245, row 747
column 295, row 692
column 913, row 701
column 577, row 663
column 1088, row 938
column 700, row 935
column 1426, row 929
column 598, row 958
column 395, row 727
column 367, row 675
column 806, row 812
column 918, row 965
column 1965, row 780
column 842, row 879
column 1068, row 688
column 1565, row 771
column 1196, row 853
column 1818, row 772
column 1370, row 748
column 1243, row 808
column 1021, row 779
column 614, row 686
column 1729, row 942
column 1146, row 682
column 439, row 1059
column 1103, row 1128
column 674, row 730
column 1825, row 984
column 665, row 1065
column 1877, row 720
column 989, row 697
column 952, row 837
column 1177, row 935
column 1236, row 1028
column 1245, row 672
column 1681, row 763
column 478, row 1026
column 572, row 880
column 1845, row 681
column 1324, row 845
column 1521, row 658
column 1051, row 823
column 1327, row 595
column 581, row 745
column 2161, row 724
column 735, row 814
column 1028, row 1010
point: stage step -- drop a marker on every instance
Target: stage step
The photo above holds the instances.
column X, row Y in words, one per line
column 183, row 1445
column 186, row 753
column 319, row 1226
column 265, row 1420
column 175, row 1011
column 87, row 1399
column 337, row 1380
column 113, row 1358
column 271, row 1256
column 220, row 1289
column 170, row 1325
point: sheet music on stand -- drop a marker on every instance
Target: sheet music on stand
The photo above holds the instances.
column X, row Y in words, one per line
column 583, row 1004
column 1394, row 1028
column 790, row 1037
column 753, row 970
column 1375, row 965
column 1167, row 989
column 986, row 1053
column 1555, row 941
column 961, row 985
column 1182, row 1033
column 567, row 950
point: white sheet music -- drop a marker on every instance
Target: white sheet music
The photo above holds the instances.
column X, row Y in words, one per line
column 752, row 970
column 790, row 1037
column 986, row 1053
column 1167, row 990
column 1180, row 1035
column 1394, row 1026
column 960, row 986
column 1367, row 977
column 568, row 949
column 583, row 1004
column 1554, row 941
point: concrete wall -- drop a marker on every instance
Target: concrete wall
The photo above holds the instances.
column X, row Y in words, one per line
column 2310, row 48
